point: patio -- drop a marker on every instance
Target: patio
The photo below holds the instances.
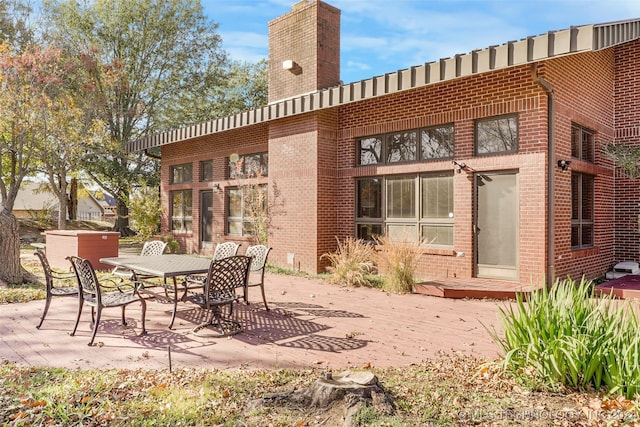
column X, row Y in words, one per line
column 311, row 324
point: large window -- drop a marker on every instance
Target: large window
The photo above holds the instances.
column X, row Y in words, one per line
column 181, row 208
column 181, row 173
column 410, row 208
column 247, row 211
column 582, row 143
column 434, row 143
column 248, row 166
column 497, row 135
column 582, row 208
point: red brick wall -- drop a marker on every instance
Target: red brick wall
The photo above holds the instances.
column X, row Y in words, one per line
column 583, row 92
column 627, row 124
column 312, row 163
column 459, row 102
column 310, row 36
column 216, row 147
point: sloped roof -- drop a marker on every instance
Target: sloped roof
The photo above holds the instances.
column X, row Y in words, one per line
column 531, row 49
column 36, row 196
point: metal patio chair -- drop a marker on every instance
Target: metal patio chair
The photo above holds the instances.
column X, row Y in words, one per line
column 224, row 276
column 92, row 293
column 51, row 277
column 223, row 250
column 258, row 254
column 150, row 248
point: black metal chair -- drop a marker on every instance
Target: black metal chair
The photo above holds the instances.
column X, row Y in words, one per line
column 258, row 254
column 52, row 290
column 223, row 277
column 223, row 250
column 91, row 293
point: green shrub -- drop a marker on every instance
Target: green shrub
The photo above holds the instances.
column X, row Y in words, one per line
column 145, row 212
column 567, row 336
column 397, row 261
column 351, row 262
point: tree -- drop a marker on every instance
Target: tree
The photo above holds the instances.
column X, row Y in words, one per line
column 26, row 81
column 144, row 58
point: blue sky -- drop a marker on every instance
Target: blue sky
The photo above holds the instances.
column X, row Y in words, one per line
column 382, row 36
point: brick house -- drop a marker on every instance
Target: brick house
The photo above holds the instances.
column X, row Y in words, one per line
column 494, row 156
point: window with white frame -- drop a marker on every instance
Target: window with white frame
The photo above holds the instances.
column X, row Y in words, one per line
column 406, row 208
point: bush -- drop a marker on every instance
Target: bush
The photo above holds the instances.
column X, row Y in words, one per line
column 145, row 212
column 566, row 336
column 397, row 262
column 351, row 263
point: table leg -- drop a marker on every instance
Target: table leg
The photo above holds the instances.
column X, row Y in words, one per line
column 175, row 301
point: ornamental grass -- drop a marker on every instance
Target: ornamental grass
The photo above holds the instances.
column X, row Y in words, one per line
column 565, row 335
column 397, row 261
column 351, row 262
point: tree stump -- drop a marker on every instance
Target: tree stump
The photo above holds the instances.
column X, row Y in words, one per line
column 354, row 389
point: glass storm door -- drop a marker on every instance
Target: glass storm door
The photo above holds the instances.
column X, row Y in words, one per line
column 497, row 225
column 206, row 219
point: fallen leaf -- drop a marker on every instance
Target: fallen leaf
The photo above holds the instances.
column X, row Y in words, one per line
column 367, row 365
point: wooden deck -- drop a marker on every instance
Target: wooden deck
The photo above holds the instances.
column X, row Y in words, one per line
column 458, row 288
column 625, row 287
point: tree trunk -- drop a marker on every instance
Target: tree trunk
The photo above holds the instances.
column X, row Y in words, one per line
column 10, row 269
column 122, row 217
column 73, row 199
column 62, row 212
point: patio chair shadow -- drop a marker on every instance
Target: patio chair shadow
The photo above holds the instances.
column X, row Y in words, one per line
column 324, row 343
column 315, row 310
column 270, row 326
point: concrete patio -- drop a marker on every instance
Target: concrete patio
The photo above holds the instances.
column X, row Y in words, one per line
column 312, row 323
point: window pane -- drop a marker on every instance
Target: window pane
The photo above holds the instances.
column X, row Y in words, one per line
column 369, row 198
column 575, row 142
column 575, row 236
column 401, row 147
column 587, row 197
column 187, row 205
column 498, row 135
column 401, row 198
column 401, row 233
column 587, row 146
column 587, row 235
column 206, row 170
column 368, row 231
column 252, row 165
column 181, row 173
column 370, row 151
column 235, row 203
column 437, row 143
column 575, row 196
column 235, row 228
column 264, row 164
column 176, row 203
column 438, row 235
column 437, row 196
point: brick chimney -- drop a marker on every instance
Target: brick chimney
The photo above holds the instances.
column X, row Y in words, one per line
column 304, row 50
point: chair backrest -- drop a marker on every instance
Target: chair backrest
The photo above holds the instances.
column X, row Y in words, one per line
column 258, row 254
column 225, row 250
column 48, row 277
column 225, row 275
column 86, row 275
column 153, row 248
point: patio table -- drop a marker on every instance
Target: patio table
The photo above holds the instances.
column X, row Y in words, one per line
column 169, row 266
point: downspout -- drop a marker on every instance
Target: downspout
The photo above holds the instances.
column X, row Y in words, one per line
column 150, row 154
column 548, row 88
